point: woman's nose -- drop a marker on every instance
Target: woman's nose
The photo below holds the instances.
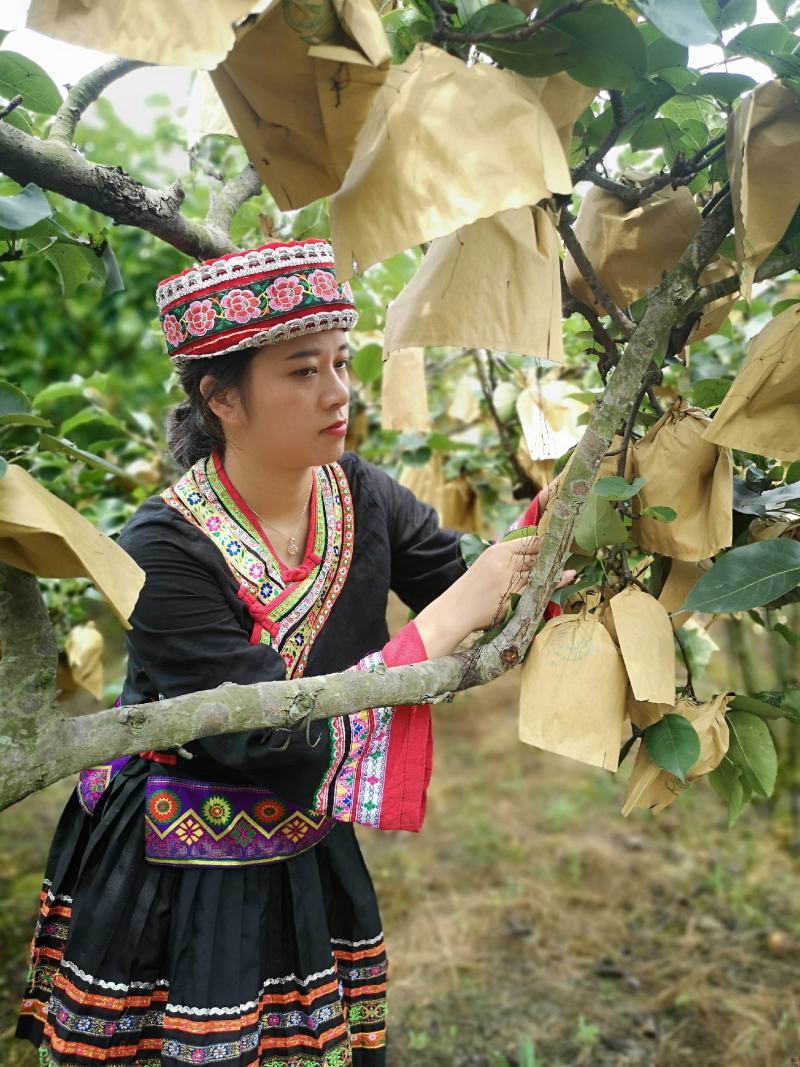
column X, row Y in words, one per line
column 337, row 392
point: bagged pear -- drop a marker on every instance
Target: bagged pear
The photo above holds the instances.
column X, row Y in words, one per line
column 717, row 312
column 651, row 787
column 404, row 397
column 298, row 86
column 762, row 147
column 492, row 263
column 684, row 471
column 84, row 649
column 761, row 411
column 572, row 696
column 681, row 578
column 630, row 247
column 42, row 535
column 646, row 641
column 564, row 100
column 402, row 189
column 771, row 527
column 455, row 500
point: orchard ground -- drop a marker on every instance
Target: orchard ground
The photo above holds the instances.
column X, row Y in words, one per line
column 529, row 909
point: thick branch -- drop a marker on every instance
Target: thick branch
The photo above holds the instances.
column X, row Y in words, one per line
column 84, row 93
column 109, row 190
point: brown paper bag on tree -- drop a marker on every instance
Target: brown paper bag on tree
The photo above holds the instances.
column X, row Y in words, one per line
column 651, row 787
column 687, row 473
column 681, row 578
column 761, row 411
column 717, row 312
column 42, row 535
column 763, row 153
column 404, row 397
column 455, row 501
column 646, row 641
column 174, row 34
column 298, row 86
column 630, row 248
column 564, row 100
column 772, row 527
column 465, row 406
column 572, row 697
column 402, row 189
column 508, row 263
column 84, row 650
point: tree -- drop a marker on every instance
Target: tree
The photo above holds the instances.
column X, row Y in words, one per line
column 647, row 108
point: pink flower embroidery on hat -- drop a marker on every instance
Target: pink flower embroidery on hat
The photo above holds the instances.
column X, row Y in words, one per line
column 240, row 305
column 199, row 317
column 172, row 330
column 323, row 284
column 285, row 293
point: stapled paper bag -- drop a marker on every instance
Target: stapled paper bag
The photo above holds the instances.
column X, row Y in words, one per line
column 681, row 578
column 716, row 313
column 572, row 697
column 761, row 411
column 651, row 787
column 84, row 649
column 630, row 248
column 298, row 86
column 42, row 535
column 509, row 156
column 762, row 147
column 404, row 398
column 170, row 34
column 508, row 263
column 647, row 644
column 688, row 473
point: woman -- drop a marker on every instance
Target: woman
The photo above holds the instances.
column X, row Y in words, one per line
column 211, row 905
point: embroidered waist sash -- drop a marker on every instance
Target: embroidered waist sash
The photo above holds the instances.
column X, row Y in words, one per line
column 190, row 822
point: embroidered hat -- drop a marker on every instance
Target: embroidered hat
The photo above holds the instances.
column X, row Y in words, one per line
column 256, row 297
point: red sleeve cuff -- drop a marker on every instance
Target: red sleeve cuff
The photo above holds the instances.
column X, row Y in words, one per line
column 405, row 647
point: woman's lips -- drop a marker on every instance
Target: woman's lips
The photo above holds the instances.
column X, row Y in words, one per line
column 339, row 429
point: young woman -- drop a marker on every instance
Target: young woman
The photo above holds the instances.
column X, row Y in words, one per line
column 211, row 905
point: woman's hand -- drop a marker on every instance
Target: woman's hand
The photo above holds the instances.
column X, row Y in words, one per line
column 549, row 491
column 480, row 597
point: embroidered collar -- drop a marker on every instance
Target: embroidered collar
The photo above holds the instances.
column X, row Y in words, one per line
column 289, row 605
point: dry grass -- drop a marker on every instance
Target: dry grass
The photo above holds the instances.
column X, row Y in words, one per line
column 528, row 907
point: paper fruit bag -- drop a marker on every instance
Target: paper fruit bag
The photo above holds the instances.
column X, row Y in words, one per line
column 630, row 248
column 681, row 578
column 402, row 188
column 42, row 535
column 84, row 649
column 455, row 500
column 645, row 638
column 572, row 697
column 404, row 397
column 763, row 153
column 298, row 86
column 651, row 787
column 688, row 473
column 492, row 284
column 761, row 411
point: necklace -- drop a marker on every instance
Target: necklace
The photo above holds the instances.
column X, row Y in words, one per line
column 292, row 547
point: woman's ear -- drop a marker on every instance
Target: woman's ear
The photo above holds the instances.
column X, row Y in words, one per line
column 225, row 403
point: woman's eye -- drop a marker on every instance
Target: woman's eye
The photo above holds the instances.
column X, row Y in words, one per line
column 305, row 372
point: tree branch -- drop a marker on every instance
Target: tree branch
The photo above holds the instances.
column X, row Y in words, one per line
column 772, row 268
column 625, row 325
column 84, row 93
column 443, row 32
column 109, row 190
column 480, row 355
column 227, row 200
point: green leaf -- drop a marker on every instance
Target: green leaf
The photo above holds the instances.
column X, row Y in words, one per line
column 3, row 466
column 24, row 210
column 770, row 705
column 661, row 52
column 722, row 86
column 91, row 416
column 522, row 531
column 710, row 392
column 793, row 471
column 12, row 400
column 114, row 282
column 471, row 547
column 599, row 524
column 20, row 75
column 367, row 363
column 673, row 744
column 54, row 444
column 405, row 27
column 788, row 635
column 654, row 133
column 726, row 780
column 660, row 513
column 75, row 264
column 747, row 577
column 683, row 21
column 24, row 419
column 753, row 750
column 737, row 11
column 615, row 488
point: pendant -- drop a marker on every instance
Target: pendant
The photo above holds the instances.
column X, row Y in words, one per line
column 291, row 547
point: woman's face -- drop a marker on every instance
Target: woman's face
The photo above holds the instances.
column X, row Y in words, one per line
column 296, row 402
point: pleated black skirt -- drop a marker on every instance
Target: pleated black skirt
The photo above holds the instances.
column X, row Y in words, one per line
column 276, row 965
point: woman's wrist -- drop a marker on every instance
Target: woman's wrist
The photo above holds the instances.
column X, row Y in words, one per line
column 441, row 624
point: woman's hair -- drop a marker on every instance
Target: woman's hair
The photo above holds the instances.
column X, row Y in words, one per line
column 193, row 430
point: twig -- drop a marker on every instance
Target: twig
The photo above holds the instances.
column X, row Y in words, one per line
column 481, row 357
column 727, row 286
column 625, row 325
column 13, row 103
column 85, row 92
column 524, row 33
column 227, row 200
